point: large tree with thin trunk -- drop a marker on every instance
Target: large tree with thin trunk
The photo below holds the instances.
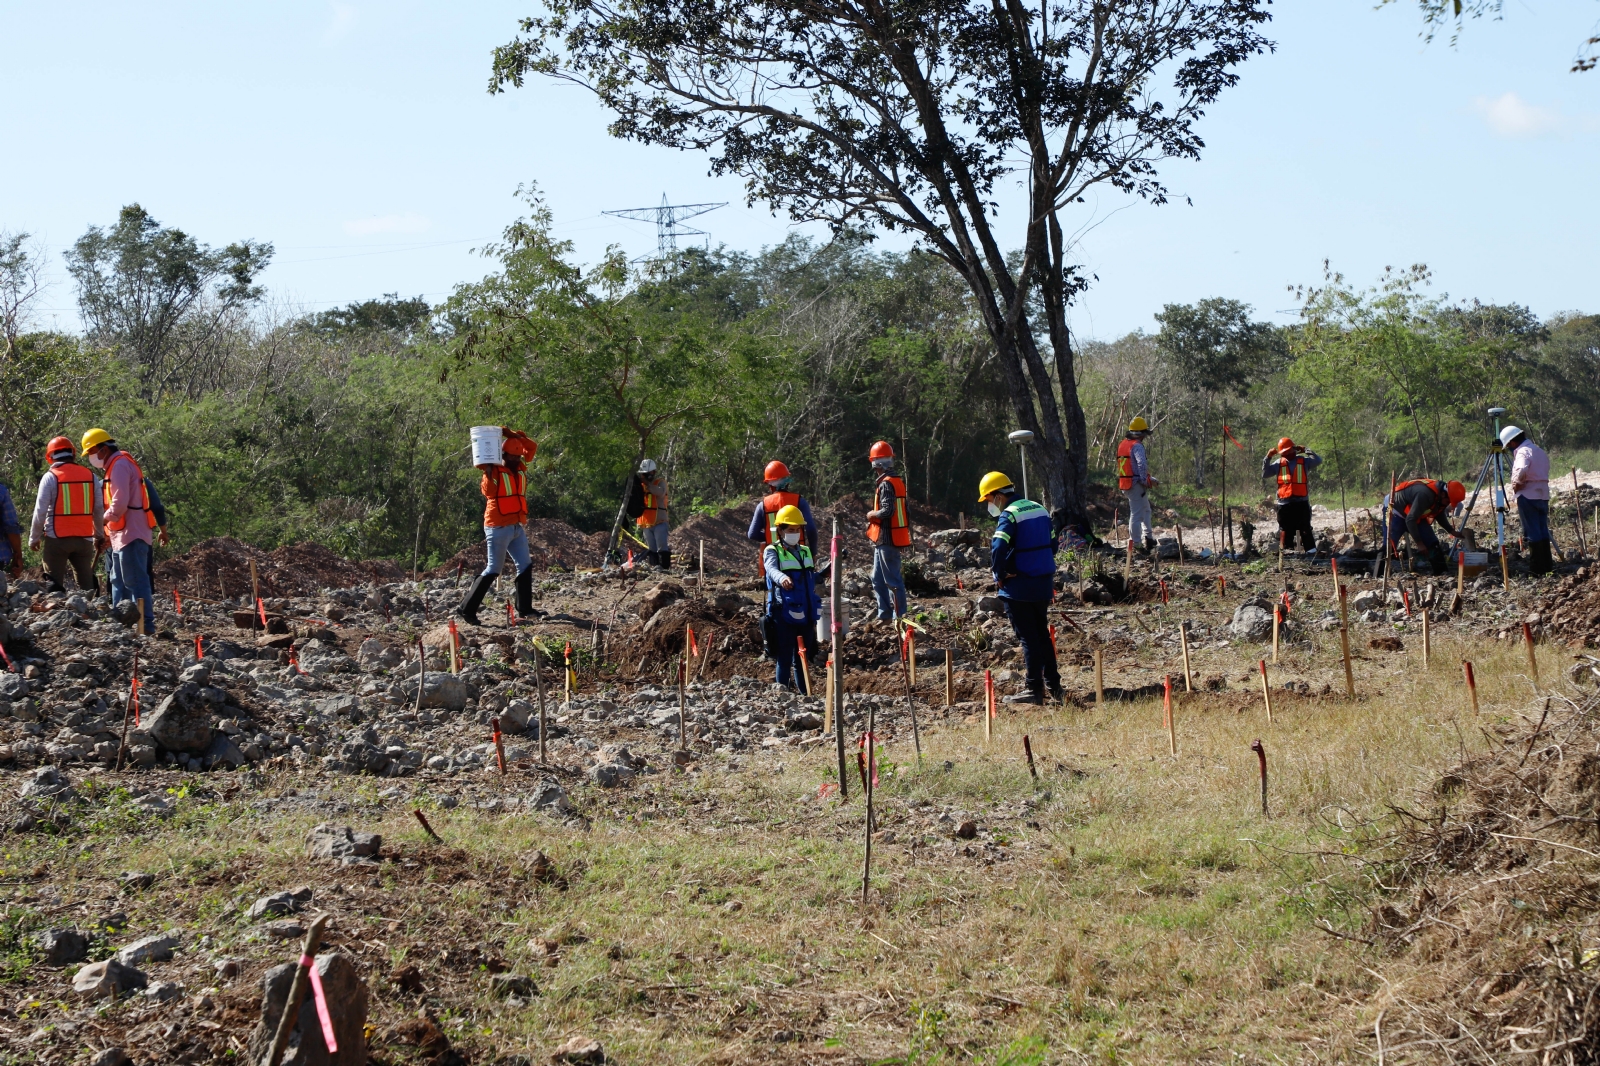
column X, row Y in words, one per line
column 919, row 117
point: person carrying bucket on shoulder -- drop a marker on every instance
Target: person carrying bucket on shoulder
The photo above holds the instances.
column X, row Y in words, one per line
column 505, row 515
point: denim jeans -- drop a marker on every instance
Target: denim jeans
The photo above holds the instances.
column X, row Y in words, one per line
column 1535, row 515
column 655, row 537
column 886, row 579
column 502, row 539
column 130, row 579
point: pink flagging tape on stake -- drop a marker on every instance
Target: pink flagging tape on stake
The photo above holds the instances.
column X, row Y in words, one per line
column 322, row 1004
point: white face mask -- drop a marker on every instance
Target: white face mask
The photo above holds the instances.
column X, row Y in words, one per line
column 995, row 510
column 97, row 462
column 791, row 539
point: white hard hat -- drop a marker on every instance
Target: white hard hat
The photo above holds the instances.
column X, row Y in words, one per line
column 647, row 467
column 1509, row 434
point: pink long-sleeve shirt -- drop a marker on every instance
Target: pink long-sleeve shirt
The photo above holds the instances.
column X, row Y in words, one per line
column 1530, row 472
column 123, row 480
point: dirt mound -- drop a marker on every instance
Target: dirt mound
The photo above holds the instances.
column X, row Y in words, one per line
column 221, row 566
column 551, row 542
column 1490, row 898
column 1570, row 612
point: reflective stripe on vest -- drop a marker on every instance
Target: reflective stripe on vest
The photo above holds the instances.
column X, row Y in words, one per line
column 1291, row 477
column 74, row 513
column 652, row 504
column 1125, row 463
column 144, row 496
column 510, row 491
column 1030, row 538
column 899, row 524
column 774, row 502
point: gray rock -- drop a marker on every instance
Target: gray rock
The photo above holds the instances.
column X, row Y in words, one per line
column 150, row 949
column 375, row 654
column 516, row 716
column 803, row 721
column 550, row 796
column 47, row 782
column 227, row 969
column 111, row 1056
column 163, row 991
column 326, row 841
column 347, row 1009
column 579, row 1051
column 440, row 692
column 1366, row 600
column 63, row 947
column 223, row 752
column 347, row 706
column 107, row 979
column 611, row 774
column 142, row 755
column 1250, row 622
column 991, row 605
column 280, row 903
column 13, row 686
column 287, row 929
column 199, row 673
column 183, row 721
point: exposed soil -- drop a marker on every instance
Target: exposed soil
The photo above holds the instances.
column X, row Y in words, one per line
column 1570, row 612
column 293, row 570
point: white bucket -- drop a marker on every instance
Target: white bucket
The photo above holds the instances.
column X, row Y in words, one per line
column 825, row 619
column 486, row 445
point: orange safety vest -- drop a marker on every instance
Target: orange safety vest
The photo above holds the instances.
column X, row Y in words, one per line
column 506, row 490
column 144, row 496
column 1125, row 473
column 772, row 504
column 652, row 504
column 1439, row 489
column 899, row 525
column 74, row 513
column 1291, row 476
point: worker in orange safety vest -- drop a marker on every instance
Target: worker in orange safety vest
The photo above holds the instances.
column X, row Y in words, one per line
column 67, row 528
column 889, row 529
column 1291, row 465
column 505, row 524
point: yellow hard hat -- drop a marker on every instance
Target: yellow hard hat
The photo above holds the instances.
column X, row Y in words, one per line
column 1139, row 425
column 94, row 438
column 789, row 515
column 993, row 481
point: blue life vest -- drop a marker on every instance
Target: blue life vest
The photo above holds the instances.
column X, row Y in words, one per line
column 798, row 605
column 1030, row 539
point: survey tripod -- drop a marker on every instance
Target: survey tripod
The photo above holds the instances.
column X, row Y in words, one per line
column 1493, row 471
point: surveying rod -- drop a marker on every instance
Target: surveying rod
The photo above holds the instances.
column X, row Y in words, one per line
column 1022, row 438
column 1499, row 480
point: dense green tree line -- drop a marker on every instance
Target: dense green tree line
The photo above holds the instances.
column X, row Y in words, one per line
column 350, row 427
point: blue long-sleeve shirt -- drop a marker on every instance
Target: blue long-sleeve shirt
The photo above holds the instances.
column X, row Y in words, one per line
column 158, row 510
column 1002, row 560
column 9, row 526
column 758, row 524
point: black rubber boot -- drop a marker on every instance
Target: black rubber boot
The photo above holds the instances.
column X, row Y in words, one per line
column 468, row 611
column 1540, row 562
column 666, row 560
column 525, row 593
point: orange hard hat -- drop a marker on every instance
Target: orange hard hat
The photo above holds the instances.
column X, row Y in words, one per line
column 1457, row 492
column 59, row 444
column 775, row 471
column 1285, row 444
column 881, row 450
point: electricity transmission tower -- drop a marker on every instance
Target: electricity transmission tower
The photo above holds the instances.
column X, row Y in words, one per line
column 668, row 219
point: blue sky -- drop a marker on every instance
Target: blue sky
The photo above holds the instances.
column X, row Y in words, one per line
column 359, row 139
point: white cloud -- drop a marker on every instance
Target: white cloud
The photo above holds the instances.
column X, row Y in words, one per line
column 344, row 17
column 410, row 222
column 1509, row 115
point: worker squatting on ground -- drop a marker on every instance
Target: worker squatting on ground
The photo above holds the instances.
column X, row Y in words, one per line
column 129, row 523
column 889, row 529
column 1023, row 558
column 651, row 487
column 1292, row 465
column 505, row 523
column 1530, row 480
column 792, row 606
column 10, row 535
column 765, row 520
column 1133, row 478
column 67, row 528
column 1414, row 507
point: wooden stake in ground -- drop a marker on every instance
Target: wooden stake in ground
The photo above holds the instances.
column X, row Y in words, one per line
column 499, row 746
column 1266, row 690
column 837, row 658
column 1505, row 571
column 1277, row 625
column 1099, row 677
column 683, row 727
column 1533, row 662
column 1472, row 684
column 422, row 671
column 1127, row 567
column 127, row 708
column 255, row 590
column 911, row 653
column 911, row 704
column 1344, row 643
column 1261, row 755
column 538, row 678
column 702, row 567
column 297, row 990
column 1183, row 639
column 1280, row 551
column 949, row 678
column 827, row 700
column 866, row 787
column 1461, row 580
column 805, row 668
column 1388, row 549
column 988, row 706
column 1179, row 530
column 1172, row 724
column 1027, row 749
column 1427, row 640
column 455, row 648
column 1577, row 513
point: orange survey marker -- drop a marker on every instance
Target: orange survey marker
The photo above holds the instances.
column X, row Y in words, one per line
column 1472, row 684
column 199, row 648
column 499, row 748
column 261, row 610
column 177, row 602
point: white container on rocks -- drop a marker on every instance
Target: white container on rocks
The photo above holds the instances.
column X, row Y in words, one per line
column 486, row 445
